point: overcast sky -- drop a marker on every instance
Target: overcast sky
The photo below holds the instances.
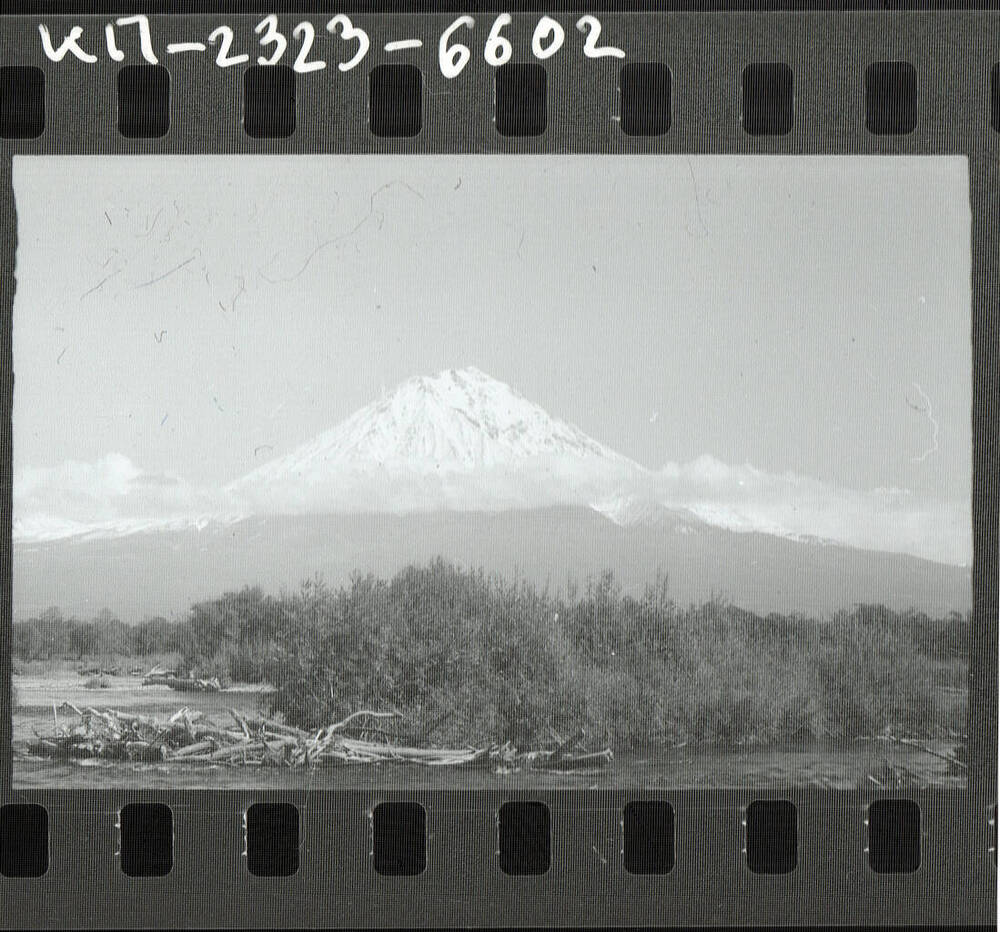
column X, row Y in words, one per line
column 201, row 314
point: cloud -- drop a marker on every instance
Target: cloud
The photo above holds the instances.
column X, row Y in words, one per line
column 109, row 477
column 75, row 497
column 744, row 498
column 539, row 481
column 113, row 495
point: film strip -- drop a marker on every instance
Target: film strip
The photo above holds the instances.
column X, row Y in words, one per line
column 415, row 306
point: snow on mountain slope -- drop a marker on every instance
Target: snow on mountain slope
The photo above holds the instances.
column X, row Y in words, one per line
column 165, row 572
column 42, row 528
column 457, row 440
column 638, row 511
column 457, row 420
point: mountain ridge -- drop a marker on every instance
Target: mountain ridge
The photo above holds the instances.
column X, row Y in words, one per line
column 164, row 572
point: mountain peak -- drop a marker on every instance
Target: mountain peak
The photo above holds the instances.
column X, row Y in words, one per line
column 466, row 374
column 456, row 420
column 467, row 389
column 459, row 422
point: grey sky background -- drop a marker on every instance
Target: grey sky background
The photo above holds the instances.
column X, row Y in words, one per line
column 202, row 314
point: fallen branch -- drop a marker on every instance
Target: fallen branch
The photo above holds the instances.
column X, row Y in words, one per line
column 331, row 729
column 951, row 759
column 910, row 742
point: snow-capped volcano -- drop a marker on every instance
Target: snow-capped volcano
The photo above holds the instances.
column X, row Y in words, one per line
column 461, row 441
column 457, row 420
column 456, row 465
column 458, row 440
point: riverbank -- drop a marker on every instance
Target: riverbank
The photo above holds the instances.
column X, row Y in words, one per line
column 844, row 766
column 814, row 763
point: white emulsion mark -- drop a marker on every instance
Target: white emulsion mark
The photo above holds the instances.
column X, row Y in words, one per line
column 928, row 410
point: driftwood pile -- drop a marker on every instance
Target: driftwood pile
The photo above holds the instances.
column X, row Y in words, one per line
column 183, row 683
column 189, row 737
column 159, row 676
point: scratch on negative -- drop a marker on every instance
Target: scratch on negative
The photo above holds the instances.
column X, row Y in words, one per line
column 99, row 284
column 60, row 356
column 149, row 229
column 312, row 255
column 242, row 291
column 343, row 236
column 697, row 195
column 159, row 278
column 928, row 410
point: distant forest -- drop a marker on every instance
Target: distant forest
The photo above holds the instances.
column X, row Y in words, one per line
column 468, row 657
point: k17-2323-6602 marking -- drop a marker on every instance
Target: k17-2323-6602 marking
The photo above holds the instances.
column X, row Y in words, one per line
column 548, row 38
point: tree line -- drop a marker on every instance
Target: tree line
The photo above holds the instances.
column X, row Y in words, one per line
column 468, row 657
column 51, row 636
